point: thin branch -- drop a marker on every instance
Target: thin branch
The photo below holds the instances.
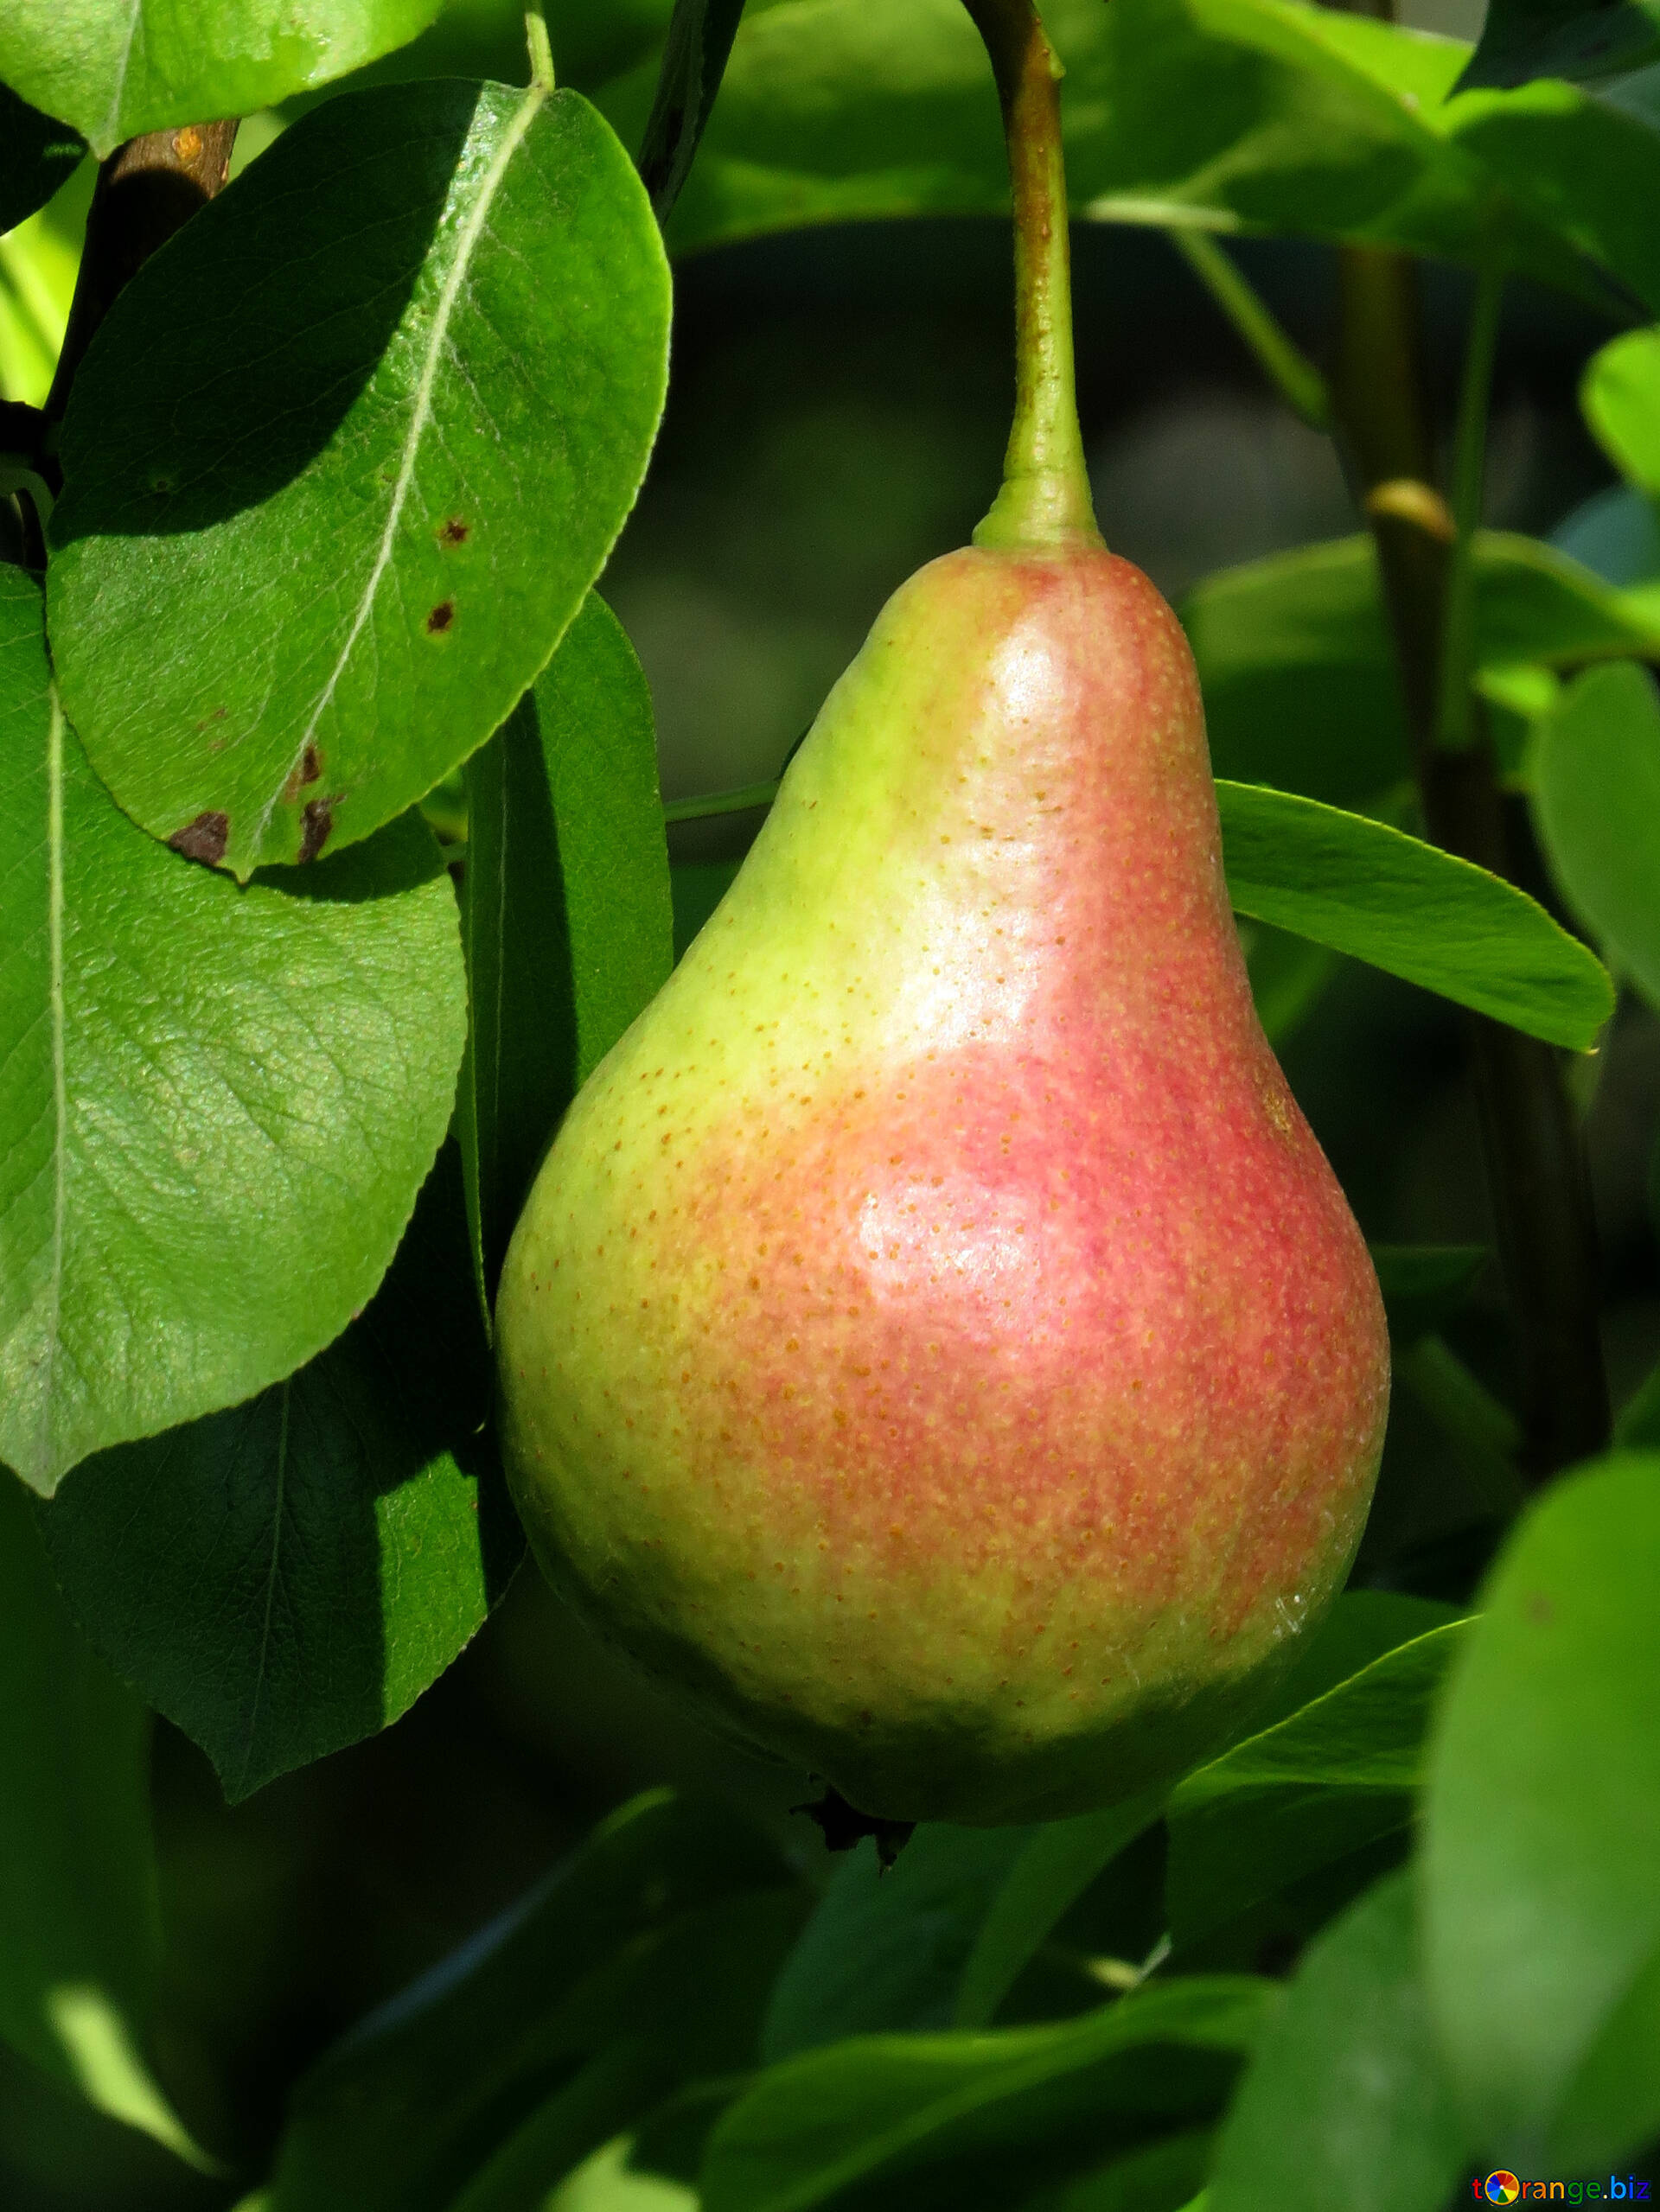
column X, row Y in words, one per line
column 146, row 190
column 1535, row 1157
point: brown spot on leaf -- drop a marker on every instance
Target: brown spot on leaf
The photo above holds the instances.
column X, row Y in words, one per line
column 315, row 822
column 204, row 839
column 454, row 532
column 441, row 617
column 306, row 770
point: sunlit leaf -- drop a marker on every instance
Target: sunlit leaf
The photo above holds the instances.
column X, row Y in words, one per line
column 1597, row 802
column 217, row 1105
column 115, row 71
column 343, row 462
column 1541, row 1861
column 1411, row 909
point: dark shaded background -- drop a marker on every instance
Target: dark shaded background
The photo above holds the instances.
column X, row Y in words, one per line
column 837, row 411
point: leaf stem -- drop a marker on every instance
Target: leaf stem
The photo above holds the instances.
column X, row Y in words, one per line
column 541, row 47
column 1455, row 724
column 1536, row 1175
column 705, row 805
column 1286, row 366
column 1044, row 503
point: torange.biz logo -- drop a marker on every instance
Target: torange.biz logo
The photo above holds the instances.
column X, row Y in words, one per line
column 1506, row 2188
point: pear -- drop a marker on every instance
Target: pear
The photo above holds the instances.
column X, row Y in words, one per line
column 935, row 1345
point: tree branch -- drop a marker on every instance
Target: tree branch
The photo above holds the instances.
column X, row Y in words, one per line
column 1535, row 1157
column 146, row 190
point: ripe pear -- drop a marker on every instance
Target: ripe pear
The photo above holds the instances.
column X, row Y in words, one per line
column 935, row 1345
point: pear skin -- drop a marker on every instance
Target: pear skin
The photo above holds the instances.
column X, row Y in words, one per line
column 935, row 1345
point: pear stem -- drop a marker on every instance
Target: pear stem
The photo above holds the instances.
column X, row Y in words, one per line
column 1045, row 504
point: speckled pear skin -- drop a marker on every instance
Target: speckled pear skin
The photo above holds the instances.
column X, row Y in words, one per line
column 935, row 1345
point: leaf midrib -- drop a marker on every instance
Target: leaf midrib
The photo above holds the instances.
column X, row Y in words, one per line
column 45, row 1457
column 420, row 417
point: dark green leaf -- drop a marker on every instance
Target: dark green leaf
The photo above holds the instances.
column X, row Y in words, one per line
column 949, row 2120
column 1162, row 2177
column 1235, row 114
column 1051, row 1871
column 217, row 1105
column 36, row 154
column 1615, row 534
column 1541, row 1862
column 887, row 1950
column 115, row 71
column 1299, row 673
column 699, row 887
column 288, row 1577
column 1362, row 1627
column 1336, row 1775
column 1596, row 803
column 317, row 537
column 567, row 914
column 610, row 2089
column 1639, row 1424
column 80, row 1935
column 700, row 36
column 1524, row 38
column 1410, row 908
column 666, row 1926
column 1344, row 2102
column 1487, row 1435
column 1288, row 977
column 1424, row 1284
column 1586, row 163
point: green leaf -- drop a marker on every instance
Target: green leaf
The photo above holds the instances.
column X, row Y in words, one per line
column 566, row 916
column 1596, row 800
column 1161, row 2177
column 1232, row 114
column 36, row 154
column 286, row 1577
column 1344, row 2102
column 1288, row 978
column 1424, row 1285
column 1299, row 673
column 341, row 463
column 1620, row 395
column 887, row 1950
column 1584, row 163
column 115, row 71
column 1639, row 1424
column 1615, row 533
column 1363, row 1626
column 957, row 2117
column 605, row 2093
column 700, row 34
column 1542, row 1853
column 217, row 1105
column 1524, row 38
column 608, row 2182
column 80, row 1935
column 1411, row 909
column 667, row 1925
column 1051, row 1871
column 1336, row 1776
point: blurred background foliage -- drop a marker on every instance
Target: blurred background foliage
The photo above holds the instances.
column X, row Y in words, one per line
column 837, row 414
